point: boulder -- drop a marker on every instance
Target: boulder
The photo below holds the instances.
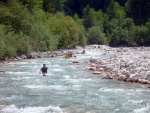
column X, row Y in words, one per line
column 75, row 62
column 92, row 68
column 96, row 72
column 2, row 103
column 2, row 71
column 107, row 77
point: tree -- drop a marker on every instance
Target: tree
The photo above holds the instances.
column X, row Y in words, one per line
column 32, row 4
column 118, row 37
column 138, row 10
column 96, row 36
column 142, row 35
column 116, row 11
column 88, row 17
column 53, row 6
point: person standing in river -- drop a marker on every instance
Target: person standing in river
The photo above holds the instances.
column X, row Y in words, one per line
column 44, row 69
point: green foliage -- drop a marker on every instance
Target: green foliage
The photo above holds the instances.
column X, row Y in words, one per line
column 82, row 37
column 122, row 37
column 116, row 11
column 96, row 36
column 2, row 47
column 23, row 44
column 121, row 33
column 5, row 50
column 2, row 42
column 77, row 19
column 110, row 26
column 148, row 33
column 93, row 22
column 88, row 17
column 142, row 35
column 127, row 23
column 32, row 4
column 53, row 6
column 20, row 16
column 41, row 37
column 98, row 18
column 5, row 15
column 118, row 37
column 10, row 52
column 70, row 32
column 119, row 12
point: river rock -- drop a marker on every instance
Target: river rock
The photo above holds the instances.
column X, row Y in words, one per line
column 92, row 68
column 129, row 64
column 96, row 72
column 2, row 71
column 75, row 61
column 2, row 103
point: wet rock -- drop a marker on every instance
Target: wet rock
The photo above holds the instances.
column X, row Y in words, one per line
column 93, row 60
column 107, row 77
column 2, row 71
column 75, row 61
column 96, row 72
column 2, row 103
column 93, row 65
column 92, row 68
column 143, row 81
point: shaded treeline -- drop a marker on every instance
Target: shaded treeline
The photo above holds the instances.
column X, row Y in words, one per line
column 47, row 25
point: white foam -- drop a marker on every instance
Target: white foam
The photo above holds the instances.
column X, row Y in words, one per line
column 79, row 80
column 21, row 73
column 56, row 87
column 18, row 63
column 135, row 101
column 66, row 77
column 58, row 70
column 56, row 65
column 127, row 91
column 142, row 110
column 20, row 78
column 17, row 73
column 14, row 109
column 11, row 97
column 77, row 87
column 16, row 78
column 36, row 86
column 27, row 77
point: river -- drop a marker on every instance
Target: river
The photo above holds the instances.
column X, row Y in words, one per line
column 68, row 88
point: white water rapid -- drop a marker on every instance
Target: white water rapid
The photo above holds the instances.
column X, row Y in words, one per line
column 68, row 88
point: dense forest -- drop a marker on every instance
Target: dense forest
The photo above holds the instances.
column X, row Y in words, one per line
column 47, row 25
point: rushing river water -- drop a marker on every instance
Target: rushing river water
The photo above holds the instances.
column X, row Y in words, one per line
column 68, row 88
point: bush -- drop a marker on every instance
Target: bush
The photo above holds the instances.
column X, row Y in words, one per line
column 141, row 35
column 70, row 32
column 96, row 36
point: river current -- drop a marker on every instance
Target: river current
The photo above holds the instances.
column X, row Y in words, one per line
column 68, row 88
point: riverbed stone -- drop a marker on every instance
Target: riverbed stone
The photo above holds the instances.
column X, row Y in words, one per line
column 2, row 103
column 129, row 64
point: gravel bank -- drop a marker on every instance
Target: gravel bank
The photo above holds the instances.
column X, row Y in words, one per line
column 129, row 64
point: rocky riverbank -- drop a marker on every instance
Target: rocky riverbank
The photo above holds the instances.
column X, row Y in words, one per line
column 35, row 55
column 129, row 64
